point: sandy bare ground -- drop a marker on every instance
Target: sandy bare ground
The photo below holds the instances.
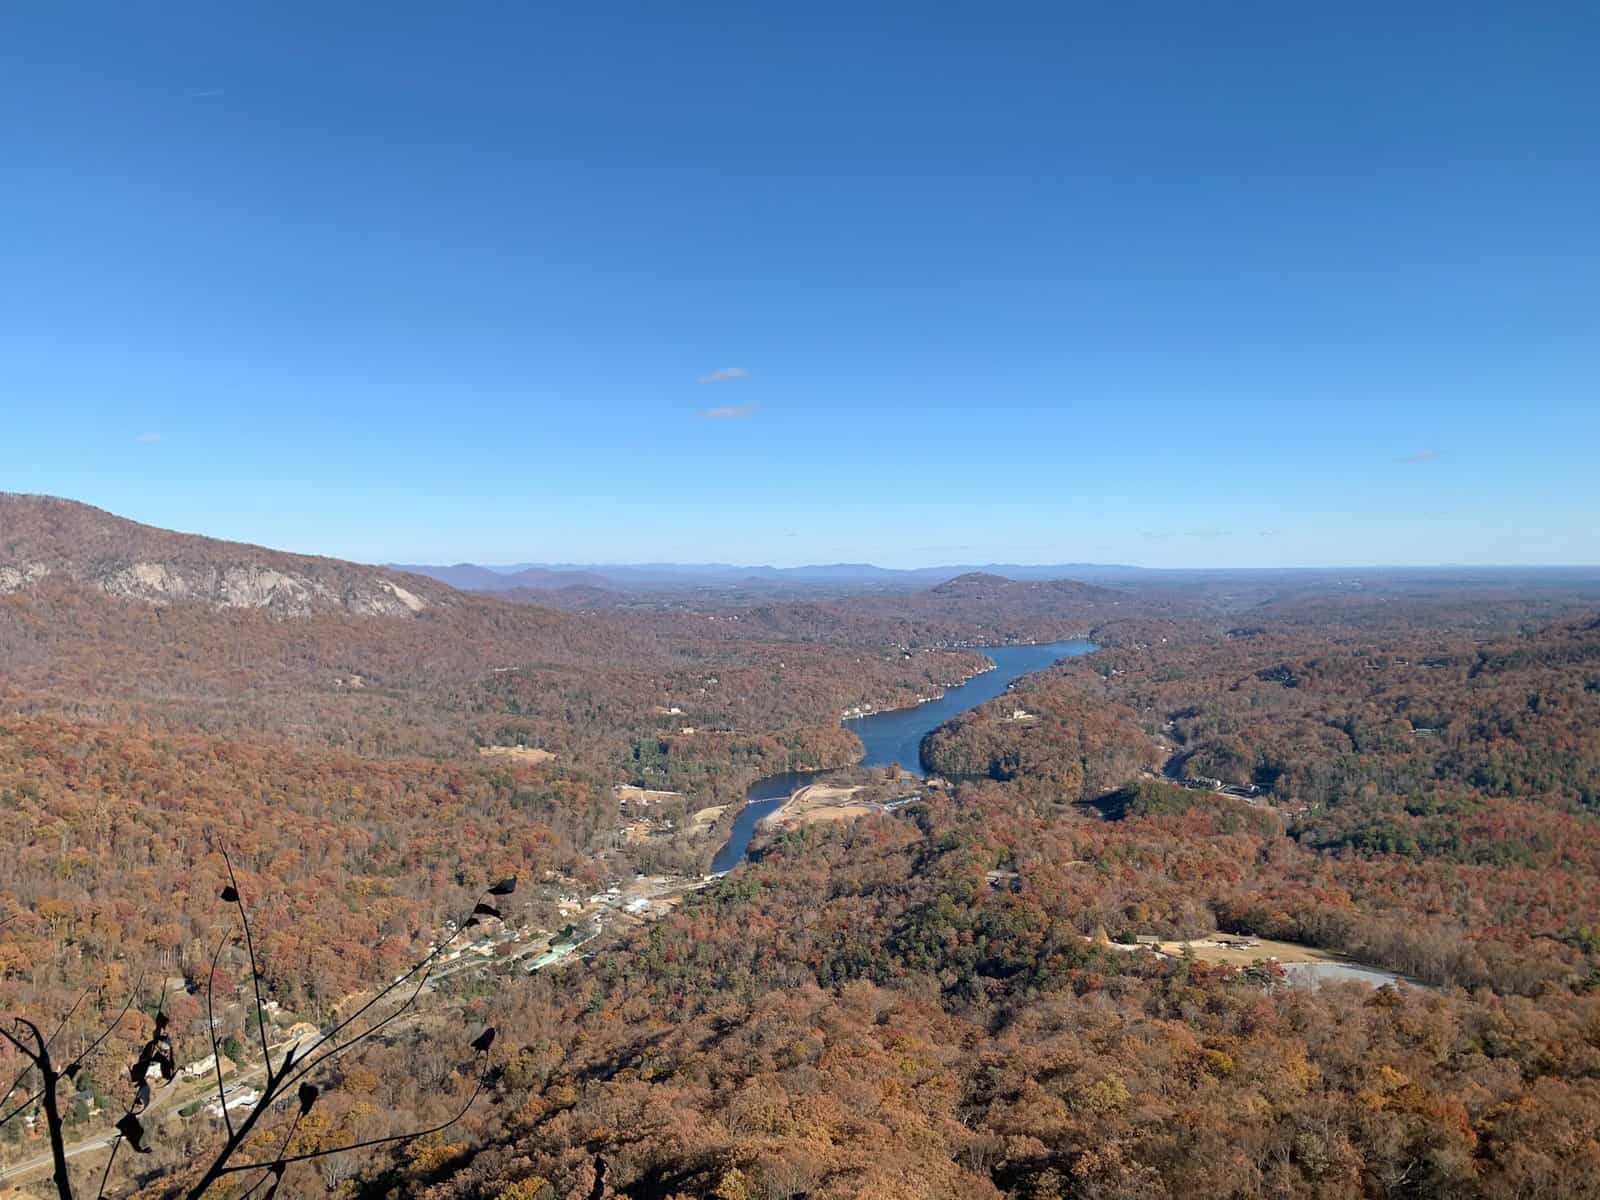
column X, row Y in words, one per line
column 818, row 802
column 705, row 818
column 834, row 812
column 1208, row 950
column 527, row 754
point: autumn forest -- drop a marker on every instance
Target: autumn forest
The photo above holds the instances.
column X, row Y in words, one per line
column 1052, row 971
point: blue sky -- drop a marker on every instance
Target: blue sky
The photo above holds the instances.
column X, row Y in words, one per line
column 1163, row 284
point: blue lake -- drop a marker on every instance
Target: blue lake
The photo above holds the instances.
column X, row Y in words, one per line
column 896, row 736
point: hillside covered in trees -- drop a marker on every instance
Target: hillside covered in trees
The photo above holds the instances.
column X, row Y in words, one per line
column 866, row 1011
column 941, row 1001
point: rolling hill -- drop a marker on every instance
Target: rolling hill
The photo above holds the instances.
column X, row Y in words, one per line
column 43, row 537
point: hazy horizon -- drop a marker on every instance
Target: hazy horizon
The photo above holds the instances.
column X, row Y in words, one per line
column 976, row 560
column 984, row 564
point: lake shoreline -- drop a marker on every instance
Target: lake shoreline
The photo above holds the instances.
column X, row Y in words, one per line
column 893, row 737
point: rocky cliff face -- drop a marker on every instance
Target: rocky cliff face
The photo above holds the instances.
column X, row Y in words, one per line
column 42, row 537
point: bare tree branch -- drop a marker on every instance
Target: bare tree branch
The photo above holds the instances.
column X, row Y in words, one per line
column 270, row 1173
column 216, row 1050
column 280, row 1077
column 22, row 1074
column 394, row 985
column 52, row 1108
column 82, row 996
column 425, row 966
column 105, row 1033
column 106, row 1174
column 370, row 1142
column 305, row 1068
column 25, row 1105
column 250, row 948
column 17, row 1082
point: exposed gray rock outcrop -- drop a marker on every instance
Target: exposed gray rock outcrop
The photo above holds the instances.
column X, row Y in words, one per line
column 44, row 538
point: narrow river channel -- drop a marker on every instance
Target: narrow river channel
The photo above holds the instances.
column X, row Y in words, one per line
column 896, row 736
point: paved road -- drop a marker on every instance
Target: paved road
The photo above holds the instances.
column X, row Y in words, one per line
column 41, row 1164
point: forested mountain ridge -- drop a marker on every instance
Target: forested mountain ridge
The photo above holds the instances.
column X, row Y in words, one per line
column 1324, row 717
column 43, row 536
column 112, row 618
column 985, row 585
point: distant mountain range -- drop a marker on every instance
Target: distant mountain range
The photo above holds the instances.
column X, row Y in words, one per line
column 838, row 579
column 45, row 541
column 468, row 577
column 671, row 577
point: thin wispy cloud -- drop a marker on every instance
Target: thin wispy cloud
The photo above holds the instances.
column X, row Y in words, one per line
column 148, row 439
column 1163, row 534
column 729, row 412
column 1421, row 456
column 724, row 375
column 204, row 94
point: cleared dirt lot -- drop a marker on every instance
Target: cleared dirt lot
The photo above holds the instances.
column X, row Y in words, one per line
column 702, row 821
column 1211, row 951
column 528, row 754
column 818, row 802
